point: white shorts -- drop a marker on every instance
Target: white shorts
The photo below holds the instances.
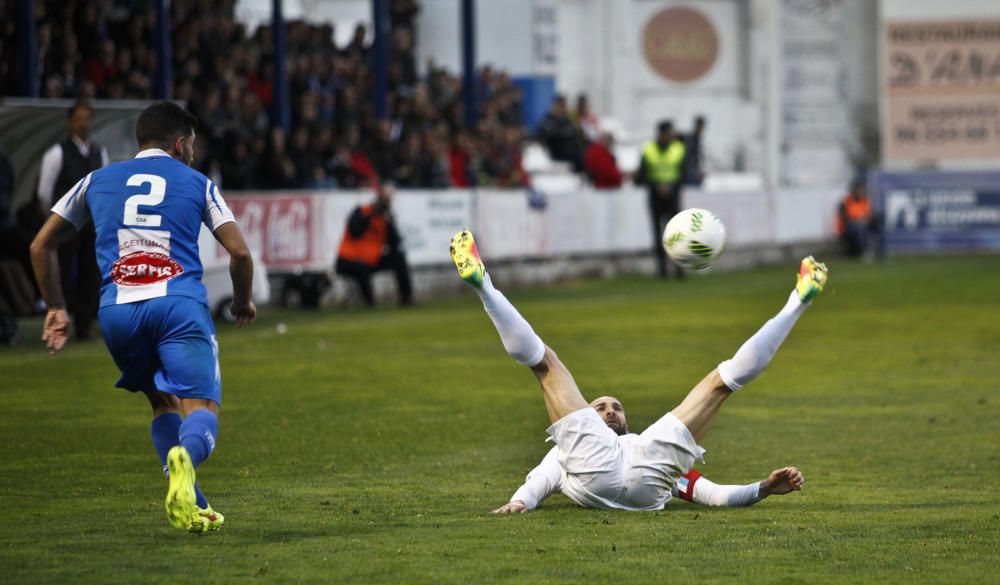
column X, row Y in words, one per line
column 634, row 472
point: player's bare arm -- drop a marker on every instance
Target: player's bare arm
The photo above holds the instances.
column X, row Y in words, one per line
column 240, row 270
column 46, row 266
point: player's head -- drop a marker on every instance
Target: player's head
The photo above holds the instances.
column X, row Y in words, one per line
column 79, row 117
column 612, row 412
column 169, row 127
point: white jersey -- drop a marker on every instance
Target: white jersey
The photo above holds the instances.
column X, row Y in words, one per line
column 596, row 468
column 550, row 477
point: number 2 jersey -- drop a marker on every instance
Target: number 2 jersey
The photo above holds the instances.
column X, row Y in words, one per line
column 147, row 213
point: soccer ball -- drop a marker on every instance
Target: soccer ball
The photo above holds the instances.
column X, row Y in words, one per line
column 694, row 238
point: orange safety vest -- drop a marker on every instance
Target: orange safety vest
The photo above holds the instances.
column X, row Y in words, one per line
column 367, row 248
column 854, row 210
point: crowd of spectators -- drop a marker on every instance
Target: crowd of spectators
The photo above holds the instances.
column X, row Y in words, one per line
column 104, row 50
column 575, row 137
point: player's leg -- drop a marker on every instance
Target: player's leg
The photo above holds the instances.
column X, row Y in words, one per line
column 165, row 433
column 130, row 332
column 698, row 409
column 189, row 370
column 559, row 390
column 561, row 394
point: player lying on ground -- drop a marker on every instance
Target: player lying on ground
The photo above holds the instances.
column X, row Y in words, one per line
column 596, row 462
column 154, row 313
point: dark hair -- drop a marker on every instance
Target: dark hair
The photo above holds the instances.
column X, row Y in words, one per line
column 665, row 126
column 161, row 123
column 80, row 104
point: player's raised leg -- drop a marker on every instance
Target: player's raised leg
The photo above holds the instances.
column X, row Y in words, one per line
column 561, row 394
column 698, row 409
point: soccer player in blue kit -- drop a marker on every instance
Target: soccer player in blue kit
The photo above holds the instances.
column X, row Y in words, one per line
column 154, row 312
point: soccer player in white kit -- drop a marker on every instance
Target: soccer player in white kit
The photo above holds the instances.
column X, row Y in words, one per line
column 596, row 462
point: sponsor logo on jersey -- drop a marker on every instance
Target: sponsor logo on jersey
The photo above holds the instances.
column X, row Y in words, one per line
column 143, row 267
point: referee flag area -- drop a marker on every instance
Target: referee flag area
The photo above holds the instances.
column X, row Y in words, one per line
column 369, row 447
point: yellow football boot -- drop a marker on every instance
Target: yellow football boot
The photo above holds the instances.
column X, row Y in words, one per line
column 181, row 502
column 466, row 257
column 811, row 279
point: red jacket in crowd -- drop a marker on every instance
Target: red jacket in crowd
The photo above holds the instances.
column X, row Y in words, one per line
column 602, row 167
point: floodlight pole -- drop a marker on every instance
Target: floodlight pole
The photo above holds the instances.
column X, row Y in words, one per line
column 27, row 48
column 282, row 111
column 380, row 55
column 469, row 61
column 162, row 82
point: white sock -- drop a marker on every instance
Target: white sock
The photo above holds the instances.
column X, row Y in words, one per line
column 756, row 353
column 518, row 338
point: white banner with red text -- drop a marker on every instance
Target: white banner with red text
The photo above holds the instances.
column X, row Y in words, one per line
column 301, row 231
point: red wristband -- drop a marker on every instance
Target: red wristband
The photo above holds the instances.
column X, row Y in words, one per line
column 685, row 485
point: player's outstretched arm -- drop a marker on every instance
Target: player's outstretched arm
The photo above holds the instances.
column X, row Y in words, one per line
column 541, row 482
column 782, row 481
column 512, row 507
column 46, row 267
column 699, row 489
column 240, row 270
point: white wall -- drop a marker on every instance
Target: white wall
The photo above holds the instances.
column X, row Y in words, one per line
column 503, row 32
column 343, row 14
column 935, row 9
column 439, row 34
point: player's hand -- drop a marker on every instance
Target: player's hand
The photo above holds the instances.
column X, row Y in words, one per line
column 782, row 481
column 515, row 507
column 55, row 330
column 244, row 313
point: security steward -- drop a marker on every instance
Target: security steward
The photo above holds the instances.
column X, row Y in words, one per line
column 661, row 170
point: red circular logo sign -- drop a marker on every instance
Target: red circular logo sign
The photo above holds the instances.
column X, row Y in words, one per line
column 680, row 44
column 142, row 268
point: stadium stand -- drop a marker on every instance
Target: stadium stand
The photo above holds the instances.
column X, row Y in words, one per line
column 101, row 50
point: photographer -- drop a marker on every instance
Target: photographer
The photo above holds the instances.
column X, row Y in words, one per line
column 371, row 243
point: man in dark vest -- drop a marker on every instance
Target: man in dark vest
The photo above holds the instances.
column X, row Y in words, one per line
column 63, row 165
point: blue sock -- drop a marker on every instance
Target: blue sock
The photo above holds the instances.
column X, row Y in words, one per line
column 165, row 432
column 198, row 434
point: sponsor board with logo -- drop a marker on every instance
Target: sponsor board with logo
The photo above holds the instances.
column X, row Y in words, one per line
column 930, row 211
column 303, row 232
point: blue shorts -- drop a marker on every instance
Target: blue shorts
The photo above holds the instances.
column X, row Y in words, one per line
column 166, row 344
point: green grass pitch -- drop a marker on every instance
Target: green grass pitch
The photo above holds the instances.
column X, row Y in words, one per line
column 368, row 447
